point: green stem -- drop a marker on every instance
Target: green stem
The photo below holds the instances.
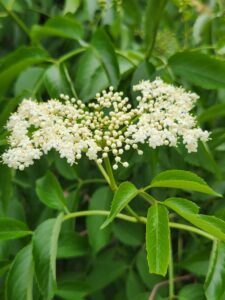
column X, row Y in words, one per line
column 105, row 175
column 134, row 220
column 192, row 229
column 171, row 273
column 132, row 212
column 147, row 197
column 108, row 167
column 71, row 54
column 19, row 22
column 120, row 53
column 102, row 213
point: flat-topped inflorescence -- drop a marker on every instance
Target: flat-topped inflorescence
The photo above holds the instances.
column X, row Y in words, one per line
column 107, row 126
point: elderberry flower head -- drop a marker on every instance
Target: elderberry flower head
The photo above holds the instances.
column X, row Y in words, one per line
column 164, row 116
column 107, row 126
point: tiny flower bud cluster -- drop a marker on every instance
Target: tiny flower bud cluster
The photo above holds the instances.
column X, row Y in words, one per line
column 108, row 126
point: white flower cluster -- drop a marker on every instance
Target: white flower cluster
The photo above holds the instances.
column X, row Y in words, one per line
column 164, row 116
column 106, row 126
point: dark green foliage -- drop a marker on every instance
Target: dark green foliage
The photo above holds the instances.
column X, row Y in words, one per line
column 51, row 244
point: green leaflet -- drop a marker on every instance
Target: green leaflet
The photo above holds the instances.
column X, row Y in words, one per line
column 125, row 193
column 158, row 239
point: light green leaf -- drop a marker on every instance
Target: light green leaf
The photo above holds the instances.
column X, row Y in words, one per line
column 71, row 6
column 200, row 69
column 45, row 243
column 90, row 71
column 215, row 280
column 152, row 18
column 188, row 211
column 99, row 201
column 12, row 229
column 125, row 193
column 158, row 239
column 56, row 82
column 50, row 192
column 19, row 283
column 183, row 180
column 15, row 62
column 180, row 205
column 60, row 26
column 106, row 54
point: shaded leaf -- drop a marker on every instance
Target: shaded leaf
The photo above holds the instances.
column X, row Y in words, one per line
column 45, row 243
column 15, row 62
column 200, row 69
column 107, row 56
column 90, row 71
column 19, row 284
column 50, row 192
column 71, row 244
column 56, row 82
column 12, row 229
column 152, row 18
column 60, row 26
column 99, row 201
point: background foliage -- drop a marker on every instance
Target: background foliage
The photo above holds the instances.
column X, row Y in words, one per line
column 79, row 48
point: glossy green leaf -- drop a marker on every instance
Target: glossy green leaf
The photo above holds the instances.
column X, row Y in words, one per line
column 106, row 54
column 153, row 14
column 15, row 62
column 90, row 71
column 215, row 281
column 180, row 205
column 12, row 229
column 158, row 239
column 184, row 180
column 19, row 283
column 71, row 244
column 188, row 211
column 45, row 243
column 99, row 201
column 200, row 69
column 125, row 193
column 50, row 192
column 60, row 26
column 56, row 82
